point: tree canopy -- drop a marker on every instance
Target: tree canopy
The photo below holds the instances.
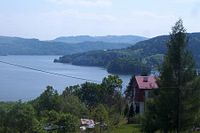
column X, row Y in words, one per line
column 172, row 107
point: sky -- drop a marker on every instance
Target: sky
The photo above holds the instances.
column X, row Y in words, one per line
column 48, row 19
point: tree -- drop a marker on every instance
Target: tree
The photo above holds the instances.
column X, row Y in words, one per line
column 178, row 69
column 111, row 94
column 100, row 114
column 192, row 102
column 129, row 92
column 126, row 110
column 72, row 104
column 111, row 88
column 112, row 83
column 126, row 65
column 67, row 123
column 70, row 90
column 50, row 117
column 22, row 118
column 48, row 100
column 149, row 122
column 89, row 94
column 131, row 113
column 4, row 109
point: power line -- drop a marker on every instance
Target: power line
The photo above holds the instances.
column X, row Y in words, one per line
column 47, row 72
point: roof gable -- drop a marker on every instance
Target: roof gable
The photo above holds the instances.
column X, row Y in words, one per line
column 146, row 82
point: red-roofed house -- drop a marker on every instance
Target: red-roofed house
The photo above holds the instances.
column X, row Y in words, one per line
column 142, row 86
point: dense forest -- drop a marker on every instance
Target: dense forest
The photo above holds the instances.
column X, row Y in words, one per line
column 21, row 46
column 61, row 113
column 148, row 53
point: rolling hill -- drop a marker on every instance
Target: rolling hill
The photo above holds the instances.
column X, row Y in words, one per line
column 144, row 55
column 21, row 46
column 108, row 39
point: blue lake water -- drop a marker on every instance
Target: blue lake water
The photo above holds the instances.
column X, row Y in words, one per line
column 20, row 83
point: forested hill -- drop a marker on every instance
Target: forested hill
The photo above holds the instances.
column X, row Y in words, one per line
column 131, row 39
column 157, row 45
column 21, row 46
column 144, row 55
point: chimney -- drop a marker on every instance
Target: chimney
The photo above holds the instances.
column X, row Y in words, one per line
column 145, row 79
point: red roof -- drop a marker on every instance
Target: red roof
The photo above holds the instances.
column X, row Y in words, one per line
column 146, row 82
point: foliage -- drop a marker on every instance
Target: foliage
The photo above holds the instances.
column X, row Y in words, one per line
column 131, row 114
column 72, row 104
column 48, row 100
column 112, row 84
column 129, row 96
column 175, row 106
column 21, row 118
column 126, row 66
column 100, row 114
column 89, row 94
column 149, row 121
column 21, row 46
column 4, row 109
column 67, row 123
column 111, row 93
column 108, row 93
column 131, row 111
column 126, row 110
column 192, row 110
column 148, row 54
column 115, row 118
column 129, row 92
column 60, row 113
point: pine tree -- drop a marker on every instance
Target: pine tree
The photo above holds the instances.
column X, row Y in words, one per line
column 178, row 69
column 126, row 110
column 173, row 110
column 129, row 92
column 131, row 111
column 131, row 114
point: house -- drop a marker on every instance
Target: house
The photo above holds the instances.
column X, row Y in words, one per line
column 142, row 85
column 87, row 124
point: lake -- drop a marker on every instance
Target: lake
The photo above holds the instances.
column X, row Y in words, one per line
column 20, row 83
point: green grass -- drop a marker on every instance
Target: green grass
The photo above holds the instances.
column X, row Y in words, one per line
column 128, row 128
column 125, row 128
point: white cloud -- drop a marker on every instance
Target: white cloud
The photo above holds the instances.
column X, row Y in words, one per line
column 75, row 21
column 48, row 25
column 81, row 16
column 84, row 2
column 146, row 23
column 151, row 15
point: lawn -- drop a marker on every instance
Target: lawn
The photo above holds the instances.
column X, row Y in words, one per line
column 128, row 128
column 125, row 128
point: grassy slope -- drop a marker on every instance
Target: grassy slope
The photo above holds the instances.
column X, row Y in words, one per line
column 125, row 128
column 130, row 128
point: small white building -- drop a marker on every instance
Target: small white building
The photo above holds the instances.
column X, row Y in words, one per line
column 87, row 124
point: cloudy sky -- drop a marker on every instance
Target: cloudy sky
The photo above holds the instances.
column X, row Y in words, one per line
column 48, row 19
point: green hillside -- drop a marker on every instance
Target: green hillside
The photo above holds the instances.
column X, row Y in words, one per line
column 144, row 55
column 21, row 46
